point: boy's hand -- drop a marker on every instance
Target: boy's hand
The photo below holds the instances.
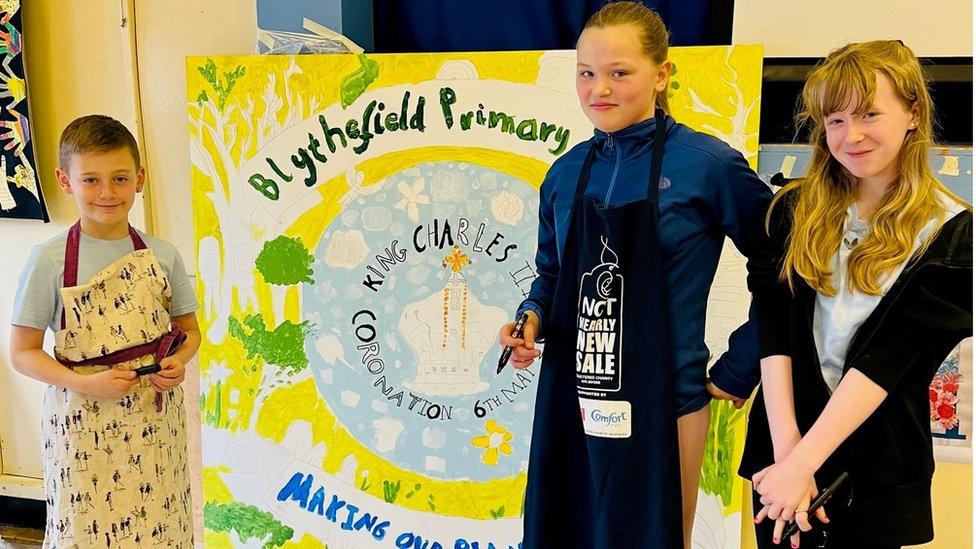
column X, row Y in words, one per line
column 111, row 383
column 172, row 374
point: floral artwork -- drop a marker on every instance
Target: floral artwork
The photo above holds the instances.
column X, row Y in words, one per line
column 943, row 397
column 950, row 404
column 496, row 442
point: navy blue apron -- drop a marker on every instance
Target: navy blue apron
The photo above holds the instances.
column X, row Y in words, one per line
column 603, row 466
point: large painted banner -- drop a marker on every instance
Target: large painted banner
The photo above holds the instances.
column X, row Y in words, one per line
column 364, row 225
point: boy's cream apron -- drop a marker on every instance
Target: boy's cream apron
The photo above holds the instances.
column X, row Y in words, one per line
column 115, row 469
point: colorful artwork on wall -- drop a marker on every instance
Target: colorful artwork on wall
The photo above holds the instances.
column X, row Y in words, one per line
column 951, row 405
column 20, row 190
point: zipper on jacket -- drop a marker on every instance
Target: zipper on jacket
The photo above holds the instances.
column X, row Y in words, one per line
column 616, row 166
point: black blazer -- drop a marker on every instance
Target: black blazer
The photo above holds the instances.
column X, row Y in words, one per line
column 915, row 326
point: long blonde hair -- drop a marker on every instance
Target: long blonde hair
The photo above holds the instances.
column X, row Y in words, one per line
column 652, row 32
column 828, row 189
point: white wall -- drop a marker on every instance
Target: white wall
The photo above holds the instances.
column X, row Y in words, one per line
column 805, row 28
column 167, row 32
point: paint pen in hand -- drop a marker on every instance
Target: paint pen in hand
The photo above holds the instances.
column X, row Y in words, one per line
column 517, row 334
column 148, row 369
column 817, row 503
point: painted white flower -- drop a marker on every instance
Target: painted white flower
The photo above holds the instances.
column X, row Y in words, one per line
column 346, row 249
column 412, row 197
column 269, row 125
column 433, row 437
column 347, row 471
column 435, row 464
column 457, row 69
column 355, row 177
column 507, row 207
column 444, row 186
column 218, row 372
column 350, row 398
column 292, row 69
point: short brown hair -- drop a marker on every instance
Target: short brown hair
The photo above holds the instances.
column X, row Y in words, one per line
column 653, row 34
column 95, row 132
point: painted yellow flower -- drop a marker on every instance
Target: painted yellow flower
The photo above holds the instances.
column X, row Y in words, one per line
column 496, row 440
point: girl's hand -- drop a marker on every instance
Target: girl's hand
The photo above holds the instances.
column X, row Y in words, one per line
column 782, row 446
column 523, row 349
column 783, row 486
column 172, row 374
column 111, row 383
column 786, row 490
column 719, row 394
column 802, row 518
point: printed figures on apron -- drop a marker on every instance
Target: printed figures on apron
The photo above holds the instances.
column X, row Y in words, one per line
column 603, row 469
column 115, row 469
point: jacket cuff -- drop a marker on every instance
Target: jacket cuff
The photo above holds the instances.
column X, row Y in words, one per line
column 532, row 306
column 771, row 346
column 725, row 379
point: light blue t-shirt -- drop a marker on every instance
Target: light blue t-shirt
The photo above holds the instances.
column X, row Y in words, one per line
column 37, row 303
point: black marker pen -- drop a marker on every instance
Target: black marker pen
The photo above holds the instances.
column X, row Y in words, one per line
column 817, row 503
column 148, row 369
column 507, row 353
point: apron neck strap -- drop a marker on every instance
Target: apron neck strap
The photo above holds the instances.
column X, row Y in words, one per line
column 657, row 156
column 71, row 256
column 584, row 176
column 657, row 160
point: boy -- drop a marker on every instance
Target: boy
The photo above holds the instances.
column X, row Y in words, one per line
column 116, row 300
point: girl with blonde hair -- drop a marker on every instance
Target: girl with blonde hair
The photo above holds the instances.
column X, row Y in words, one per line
column 864, row 288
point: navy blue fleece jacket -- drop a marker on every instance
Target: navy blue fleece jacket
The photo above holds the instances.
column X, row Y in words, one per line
column 707, row 192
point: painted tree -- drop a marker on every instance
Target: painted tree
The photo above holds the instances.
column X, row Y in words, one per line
column 285, row 261
column 283, row 347
column 248, row 521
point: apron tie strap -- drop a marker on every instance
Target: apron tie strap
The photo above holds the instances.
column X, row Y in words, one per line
column 161, row 348
column 168, row 344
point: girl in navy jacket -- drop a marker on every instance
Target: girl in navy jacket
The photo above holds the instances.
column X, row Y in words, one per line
column 704, row 191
